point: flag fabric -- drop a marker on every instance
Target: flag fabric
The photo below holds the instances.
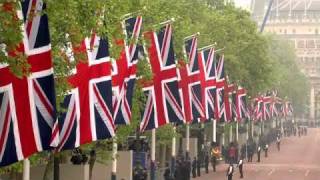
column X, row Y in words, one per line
column 27, row 104
column 124, row 70
column 230, row 110
column 275, row 106
column 258, row 108
column 241, row 104
column 220, row 110
column 163, row 104
column 189, row 83
column 208, row 81
column 287, row 109
column 266, row 108
column 88, row 115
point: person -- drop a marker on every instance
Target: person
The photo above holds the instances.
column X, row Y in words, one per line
column 178, row 170
column 232, row 154
column 230, row 171
column 206, row 162
column 250, row 152
column 266, row 147
column 194, row 167
column 188, row 168
column 76, row 158
column 258, row 152
column 198, row 167
column 138, row 172
column 166, row 174
column 240, row 165
column 92, row 161
column 215, row 153
column 278, row 143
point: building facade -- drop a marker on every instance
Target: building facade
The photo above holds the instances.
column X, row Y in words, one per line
column 299, row 22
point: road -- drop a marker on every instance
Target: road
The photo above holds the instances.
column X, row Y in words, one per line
column 299, row 159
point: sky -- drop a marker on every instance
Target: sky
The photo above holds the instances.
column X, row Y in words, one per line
column 243, row 3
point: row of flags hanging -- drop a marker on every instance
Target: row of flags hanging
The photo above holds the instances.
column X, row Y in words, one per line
column 191, row 91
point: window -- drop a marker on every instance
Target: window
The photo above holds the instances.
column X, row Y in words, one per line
column 300, row 44
column 310, row 44
column 316, row 31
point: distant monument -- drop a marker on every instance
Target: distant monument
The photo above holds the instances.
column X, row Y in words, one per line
column 299, row 22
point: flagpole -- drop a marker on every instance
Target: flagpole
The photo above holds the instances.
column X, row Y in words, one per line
column 173, row 153
column 214, row 130
column 187, row 140
column 237, row 131
column 252, row 130
column 26, row 169
column 223, row 135
column 153, row 155
column 247, row 134
column 230, row 133
column 114, row 159
column 207, row 47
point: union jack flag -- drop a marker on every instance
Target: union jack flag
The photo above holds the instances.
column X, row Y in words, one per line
column 220, row 108
column 89, row 103
column 208, row 81
column 124, row 71
column 266, row 111
column 27, row 104
column 162, row 96
column 241, row 104
column 229, row 101
column 275, row 106
column 258, row 108
column 287, row 109
column 189, row 83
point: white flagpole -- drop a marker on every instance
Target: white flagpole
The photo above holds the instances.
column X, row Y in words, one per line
column 223, row 135
column 187, row 140
column 214, row 130
column 230, row 134
column 114, row 158
column 153, row 155
column 26, row 169
column 237, row 131
column 173, row 152
column 247, row 134
column 252, row 126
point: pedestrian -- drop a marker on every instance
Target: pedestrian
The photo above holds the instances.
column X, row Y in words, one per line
column 232, row 154
column 278, row 143
column 198, row 167
column 240, row 165
column 166, row 174
column 178, row 171
column 230, row 171
column 194, row 167
column 185, row 170
column 258, row 152
column 188, row 168
column 266, row 147
column 206, row 162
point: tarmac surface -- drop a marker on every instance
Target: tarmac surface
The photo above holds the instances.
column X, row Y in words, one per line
column 298, row 159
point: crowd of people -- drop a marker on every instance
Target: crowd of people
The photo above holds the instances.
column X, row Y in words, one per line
column 233, row 154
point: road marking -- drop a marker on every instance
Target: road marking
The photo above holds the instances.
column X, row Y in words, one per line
column 272, row 171
column 307, row 173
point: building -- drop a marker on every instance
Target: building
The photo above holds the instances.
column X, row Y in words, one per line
column 299, row 22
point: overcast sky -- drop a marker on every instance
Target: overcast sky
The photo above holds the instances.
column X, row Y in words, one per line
column 243, row 3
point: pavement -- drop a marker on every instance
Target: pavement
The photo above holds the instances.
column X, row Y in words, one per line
column 298, row 159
